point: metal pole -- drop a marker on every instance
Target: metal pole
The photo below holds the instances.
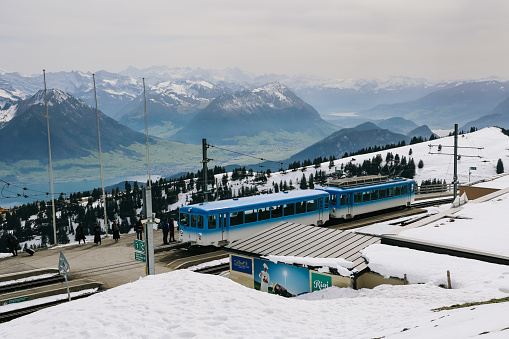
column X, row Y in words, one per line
column 455, row 178
column 204, row 146
column 149, row 232
column 50, row 164
column 100, row 158
column 146, row 132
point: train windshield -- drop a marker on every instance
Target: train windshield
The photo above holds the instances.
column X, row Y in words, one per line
column 184, row 219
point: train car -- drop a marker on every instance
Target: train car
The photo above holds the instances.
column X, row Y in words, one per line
column 218, row 223
column 354, row 196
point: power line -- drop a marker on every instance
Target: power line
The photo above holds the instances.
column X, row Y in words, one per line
column 246, row 155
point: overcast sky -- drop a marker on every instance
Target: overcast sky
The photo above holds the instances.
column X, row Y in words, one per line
column 435, row 39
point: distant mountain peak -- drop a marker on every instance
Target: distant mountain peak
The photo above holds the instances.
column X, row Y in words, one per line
column 54, row 96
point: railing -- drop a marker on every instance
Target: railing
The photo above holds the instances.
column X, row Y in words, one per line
column 439, row 188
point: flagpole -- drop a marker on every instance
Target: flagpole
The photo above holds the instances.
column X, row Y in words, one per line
column 146, row 132
column 50, row 164
column 100, row 158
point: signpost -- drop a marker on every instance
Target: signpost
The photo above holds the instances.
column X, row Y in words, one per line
column 139, row 246
column 470, row 171
column 63, row 269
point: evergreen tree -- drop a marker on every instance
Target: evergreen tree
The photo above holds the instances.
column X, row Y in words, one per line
column 500, row 166
column 303, row 183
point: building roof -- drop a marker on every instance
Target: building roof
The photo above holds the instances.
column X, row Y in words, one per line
column 291, row 239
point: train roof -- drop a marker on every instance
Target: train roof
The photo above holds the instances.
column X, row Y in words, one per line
column 360, row 185
column 257, row 201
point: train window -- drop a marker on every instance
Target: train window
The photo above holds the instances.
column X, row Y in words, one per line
column 366, row 196
column 357, row 198
column 200, row 221
column 236, row 218
column 374, row 195
column 193, row 220
column 184, row 219
column 333, row 199
column 326, row 203
column 212, row 222
column 390, row 192
column 300, row 207
column 250, row 216
column 396, row 191
column 289, row 209
column 264, row 213
column 277, row 212
column 381, row 194
column 312, row 205
column 403, row 190
column 342, row 200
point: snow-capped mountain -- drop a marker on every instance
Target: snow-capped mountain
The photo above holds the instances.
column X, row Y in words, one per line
column 73, row 129
column 170, row 105
column 271, row 108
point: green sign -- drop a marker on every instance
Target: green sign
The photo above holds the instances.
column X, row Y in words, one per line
column 320, row 281
column 139, row 245
column 473, row 168
column 13, row 301
column 140, row 256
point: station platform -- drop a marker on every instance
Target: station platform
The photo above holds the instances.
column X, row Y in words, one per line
column 111, row 263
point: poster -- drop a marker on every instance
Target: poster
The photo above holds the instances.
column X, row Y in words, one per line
column 320, row 281
column 281, row 279
column 241, row 264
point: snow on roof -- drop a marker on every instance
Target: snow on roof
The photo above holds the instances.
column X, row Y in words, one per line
column 480, row 226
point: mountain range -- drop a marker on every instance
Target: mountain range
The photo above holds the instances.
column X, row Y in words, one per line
column 270, row 108
column 349, row 140
column 439, row 109
column 73, row 129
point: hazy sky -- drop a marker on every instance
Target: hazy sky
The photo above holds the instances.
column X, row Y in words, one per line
column 436, row 39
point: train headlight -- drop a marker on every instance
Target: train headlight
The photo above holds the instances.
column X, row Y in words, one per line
column 199, row 236
column 333, row 210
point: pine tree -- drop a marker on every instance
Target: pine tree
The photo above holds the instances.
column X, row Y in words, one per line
column 500, row 166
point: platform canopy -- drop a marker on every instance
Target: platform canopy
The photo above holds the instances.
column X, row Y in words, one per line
column 291, row 239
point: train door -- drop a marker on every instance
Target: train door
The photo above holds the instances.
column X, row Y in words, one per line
column 323, row 207
column 349, row 204
column 223, row 224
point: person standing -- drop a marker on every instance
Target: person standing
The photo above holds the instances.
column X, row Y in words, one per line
column 12, row 244
column 139, row 229
column 80, row 235
column 265, row 278
column 97, row 234
column 166, row 228
column 116, row 230
column 172, row 229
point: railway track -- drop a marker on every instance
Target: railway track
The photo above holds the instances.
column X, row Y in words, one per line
column 216, row 270
column 30, row 284
column 10, row 315
column 429, row 203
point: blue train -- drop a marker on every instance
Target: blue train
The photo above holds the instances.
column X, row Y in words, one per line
column 218, row 223
column 355, row 196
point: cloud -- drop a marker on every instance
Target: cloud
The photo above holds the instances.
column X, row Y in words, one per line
column 456, row 38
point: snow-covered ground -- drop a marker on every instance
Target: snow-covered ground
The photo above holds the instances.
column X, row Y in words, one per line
column 185, row 304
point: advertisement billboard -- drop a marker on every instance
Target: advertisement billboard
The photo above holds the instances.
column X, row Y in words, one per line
column 281, row 279
column 241, row 264
column 320, row 281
